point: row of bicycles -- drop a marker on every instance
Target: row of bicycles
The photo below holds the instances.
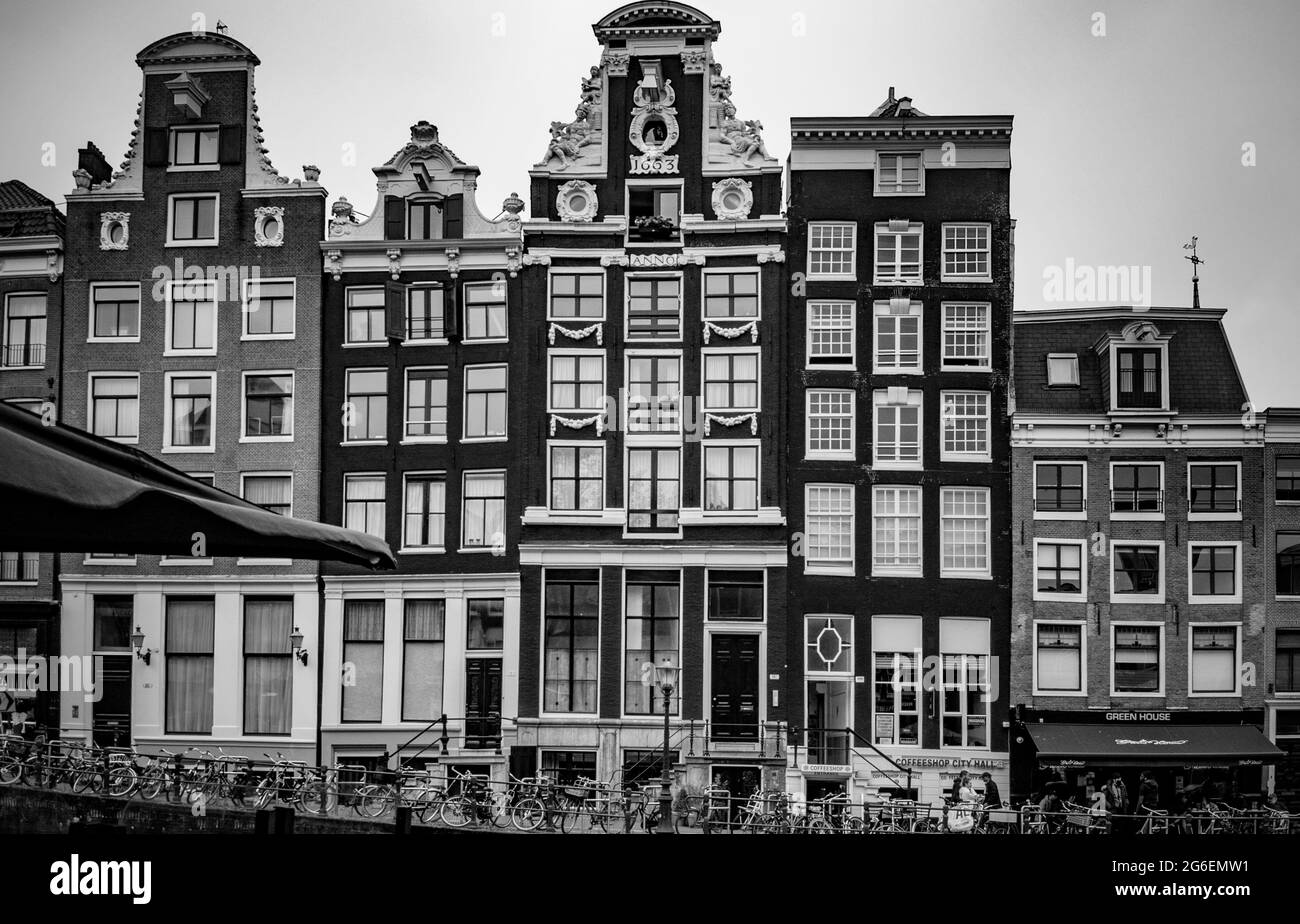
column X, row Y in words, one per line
column 1210, row 818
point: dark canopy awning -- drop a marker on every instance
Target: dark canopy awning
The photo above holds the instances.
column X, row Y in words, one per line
column 65, row 490
column 1181, row 745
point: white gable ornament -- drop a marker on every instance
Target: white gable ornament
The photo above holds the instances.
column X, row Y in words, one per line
column 653, row 131
column 114, row 230
column 268, row 226
column 733, row 199
column 576, row 201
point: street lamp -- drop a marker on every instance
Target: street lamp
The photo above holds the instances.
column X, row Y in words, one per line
column 666, row 680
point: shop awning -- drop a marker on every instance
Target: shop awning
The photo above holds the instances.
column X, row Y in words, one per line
column 65, row 490
column 1137, row 744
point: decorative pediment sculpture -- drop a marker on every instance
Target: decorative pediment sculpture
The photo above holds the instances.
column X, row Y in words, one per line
column 568, row 139
column 733, row 142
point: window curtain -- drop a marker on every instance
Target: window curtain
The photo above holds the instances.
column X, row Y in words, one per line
column 423, row 660
column 267, row 491
column 1058, row 658
column 363, row 649
column 486, row 493
column 268, row 667
column 189, row 667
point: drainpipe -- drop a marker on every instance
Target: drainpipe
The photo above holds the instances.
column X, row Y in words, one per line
column 320, row 663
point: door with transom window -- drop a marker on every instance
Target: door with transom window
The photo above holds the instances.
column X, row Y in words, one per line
column 735, row 688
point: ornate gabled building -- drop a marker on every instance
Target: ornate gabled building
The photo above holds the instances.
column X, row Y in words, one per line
column 1141, row 554
column 192, row 286
column 31, row 299
column 899, row 333
column 422, row 426
column 653, row 525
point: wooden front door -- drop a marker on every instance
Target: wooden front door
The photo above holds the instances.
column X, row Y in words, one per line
column 482, row 702
column 735, row 687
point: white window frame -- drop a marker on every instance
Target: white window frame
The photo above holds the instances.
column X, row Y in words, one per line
column 405, row 549
column 852, row 327
column 758, row 379
column 168, row 378
column 851, row 250
column 1082, row 626
column 1214, row 516
column 244, row 476
column 191, row 168
column 92, row 559
column 736, row 623
column 1074, row 368
column 407, row 439
column 878, row 647
column 4, row 332
column 1191, row 657
column 347, row 321
column 1082, row 595
column 880, row 569
column 881, row 310
column 541, row 653
column 407, row 339
column 653, row 184
column 845, row 677
column 944, row 362
column 755, row 445
column 1060, row 514
column 282, row 474
column 990, row 665
column 944, row 274
column 90, row 333
column 347, row 397
column 1138, row 515
column 215, row 241
column 733, row 271
column 849, row 454
column 653, row 436
column 604, row 475
column 882, row 228
column 90, row 403
column 550, row 382
column 211, row 286
column 1157, row 599
column 838, row 566
column 675, row 696
column 247, row 313
column 243, row 406
column 577, row 271
column 1199, row 599
column 1113, row 359
column 899, row 189
column 463, row 308
column 464, row 403
column 347, row 476
column 1160, row 634
column 948, row 455
column 650, row 342
column 487, row 546
column 881, row 398
column 973, row 574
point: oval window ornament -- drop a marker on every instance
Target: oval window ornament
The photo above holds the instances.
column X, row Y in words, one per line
column 733, row 199
column 576, row 201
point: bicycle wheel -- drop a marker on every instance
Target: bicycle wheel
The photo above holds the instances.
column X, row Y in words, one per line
column 457, row 812
column 265, row 792
column 429, row 803
column 121, row 781
column 567, row 818
column 374, row 800
column 319, row 798
column 528, row 813
column 151, row 783
column 86, row 778
column 11, row 771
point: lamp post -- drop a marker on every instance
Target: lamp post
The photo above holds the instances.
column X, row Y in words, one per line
column 666, row 680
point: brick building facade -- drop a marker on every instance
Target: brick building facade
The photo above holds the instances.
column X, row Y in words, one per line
column 422, row 417
column 31, row 298
column 899, row 330
column 653, row 521
column 1140, row 550
column 1279, row 538
column 192, row 286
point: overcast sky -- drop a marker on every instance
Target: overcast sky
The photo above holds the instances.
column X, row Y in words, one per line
column 1131, row 117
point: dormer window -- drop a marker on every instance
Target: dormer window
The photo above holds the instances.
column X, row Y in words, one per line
column 423, row 220
column 1138, row 378
column 654, row 214
column 899, row 175
column 1062, row 370
column 193, row 146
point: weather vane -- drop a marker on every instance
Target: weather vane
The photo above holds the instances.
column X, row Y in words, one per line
column 222, row 28
column 1196, row 272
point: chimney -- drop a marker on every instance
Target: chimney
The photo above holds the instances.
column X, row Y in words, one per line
column 891, row 95
column 91, row 159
